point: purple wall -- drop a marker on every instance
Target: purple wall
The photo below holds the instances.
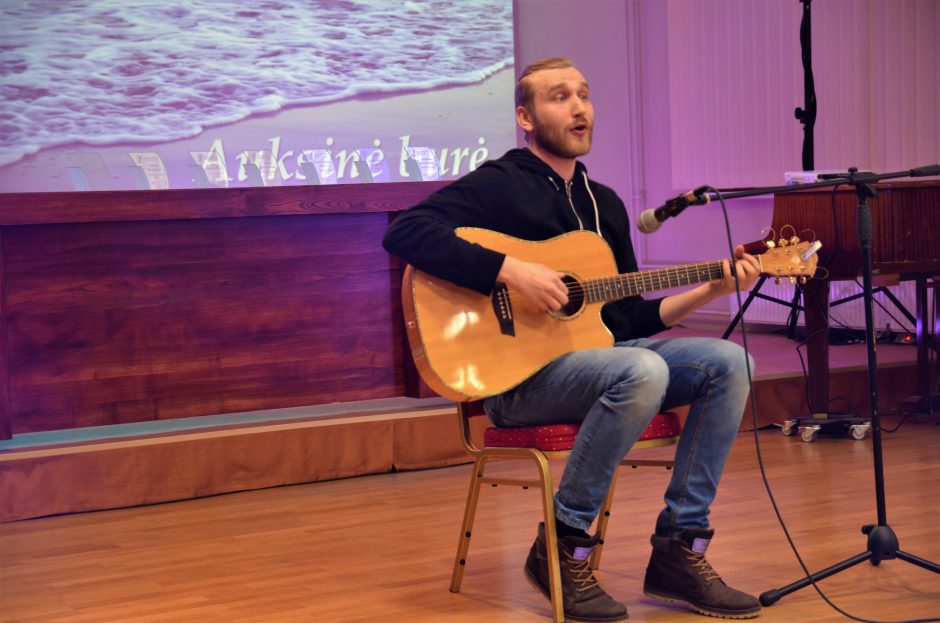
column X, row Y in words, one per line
column 688, row 93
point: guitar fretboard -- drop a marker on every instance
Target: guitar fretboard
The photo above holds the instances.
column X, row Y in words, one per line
column 630, row 284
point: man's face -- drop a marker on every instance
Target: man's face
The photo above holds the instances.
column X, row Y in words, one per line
column 562, row 116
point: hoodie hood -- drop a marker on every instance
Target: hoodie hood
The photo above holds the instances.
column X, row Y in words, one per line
column 529, row 162
column 525, row 159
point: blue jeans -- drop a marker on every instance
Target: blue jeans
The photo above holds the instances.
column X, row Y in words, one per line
column 614, row 393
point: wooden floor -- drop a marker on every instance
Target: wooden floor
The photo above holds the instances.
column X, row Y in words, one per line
column 380, row 548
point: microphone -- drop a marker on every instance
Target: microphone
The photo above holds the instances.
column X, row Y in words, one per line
column 928, row 171
column 650, row 220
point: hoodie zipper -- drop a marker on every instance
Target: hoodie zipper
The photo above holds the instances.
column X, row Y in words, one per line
column 568, row 186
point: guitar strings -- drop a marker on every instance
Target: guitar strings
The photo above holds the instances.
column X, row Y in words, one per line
column 673, row 277
column 631, row 284
column 627, row 282
column 660, row 278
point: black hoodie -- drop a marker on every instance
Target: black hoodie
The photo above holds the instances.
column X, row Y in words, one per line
column 519, row 195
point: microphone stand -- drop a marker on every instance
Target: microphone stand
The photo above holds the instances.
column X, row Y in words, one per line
column 882, row 541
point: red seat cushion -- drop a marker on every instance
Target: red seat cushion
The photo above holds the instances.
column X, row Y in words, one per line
column 561, row 436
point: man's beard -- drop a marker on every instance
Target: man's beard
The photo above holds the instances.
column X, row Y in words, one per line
column 559, row 142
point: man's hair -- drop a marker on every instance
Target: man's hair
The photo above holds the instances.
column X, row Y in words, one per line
column 524, row 92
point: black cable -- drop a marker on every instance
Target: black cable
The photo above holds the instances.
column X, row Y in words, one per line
column 803, row 342
column 836, row 236
column 895, row 429
column 760, row 457
column 809, row 406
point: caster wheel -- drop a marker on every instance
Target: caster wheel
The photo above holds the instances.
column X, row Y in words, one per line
column 859, row 431
column 810, row 433
column 789, row 428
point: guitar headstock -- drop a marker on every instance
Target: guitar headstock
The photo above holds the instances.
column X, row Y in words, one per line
column 791, row 258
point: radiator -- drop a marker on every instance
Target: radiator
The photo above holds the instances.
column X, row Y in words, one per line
column 850, row 314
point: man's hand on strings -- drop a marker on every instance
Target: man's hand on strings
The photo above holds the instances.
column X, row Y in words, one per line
column 746, row 266
column 538, row 283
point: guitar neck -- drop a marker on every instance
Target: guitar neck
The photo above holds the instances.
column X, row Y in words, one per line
column 630, row 284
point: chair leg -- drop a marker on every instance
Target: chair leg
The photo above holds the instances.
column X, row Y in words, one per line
column 466, row 529
column 602, row 521
column 551, row 540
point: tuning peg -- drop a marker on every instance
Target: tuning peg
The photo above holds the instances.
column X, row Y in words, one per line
column 777, row 281
column 802, row 281
column 783, row 242
column 771, row 244
column 791, row 279
column 794, row 240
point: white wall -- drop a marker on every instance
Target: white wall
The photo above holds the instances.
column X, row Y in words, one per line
column 592, row 33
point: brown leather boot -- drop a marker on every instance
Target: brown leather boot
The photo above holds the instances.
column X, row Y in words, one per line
column 678, row 571
column 582, row 597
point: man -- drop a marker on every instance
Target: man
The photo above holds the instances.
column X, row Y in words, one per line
column 536, row 194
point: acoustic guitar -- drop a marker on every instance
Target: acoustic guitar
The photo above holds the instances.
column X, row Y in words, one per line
column 468, row 346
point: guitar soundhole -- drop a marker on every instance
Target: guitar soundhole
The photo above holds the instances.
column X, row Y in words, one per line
column 575, row 298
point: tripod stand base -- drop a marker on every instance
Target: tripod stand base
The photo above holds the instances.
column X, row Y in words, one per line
column 882, row 545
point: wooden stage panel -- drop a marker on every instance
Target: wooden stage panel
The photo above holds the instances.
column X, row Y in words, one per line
column 287, row 299
column 5, row 410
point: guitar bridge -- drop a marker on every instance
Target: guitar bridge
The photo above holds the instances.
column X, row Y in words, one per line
column 502, row 306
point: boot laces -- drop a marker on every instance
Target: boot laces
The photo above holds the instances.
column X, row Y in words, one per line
column 581, row 572
column 701, row 566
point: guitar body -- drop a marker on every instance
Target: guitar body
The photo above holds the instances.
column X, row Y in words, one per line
column 468, row 346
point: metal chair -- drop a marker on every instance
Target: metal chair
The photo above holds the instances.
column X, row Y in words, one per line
column 540, row 444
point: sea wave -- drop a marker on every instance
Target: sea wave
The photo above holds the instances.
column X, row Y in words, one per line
column 109, row 71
